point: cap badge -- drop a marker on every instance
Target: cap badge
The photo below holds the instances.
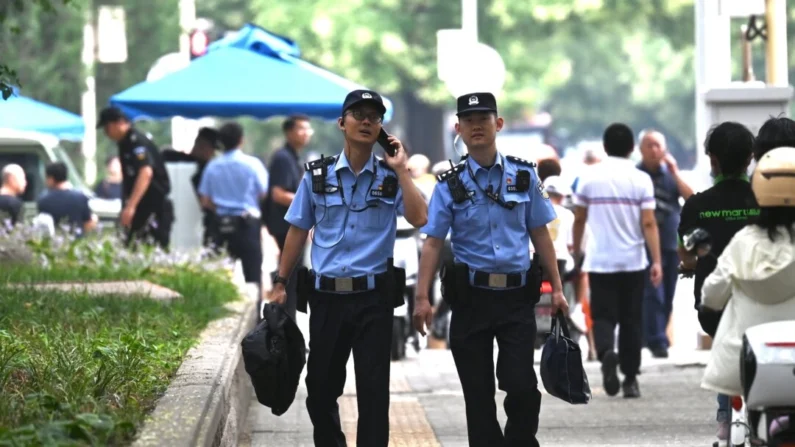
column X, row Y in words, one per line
column 473, row 100
column 367, row 96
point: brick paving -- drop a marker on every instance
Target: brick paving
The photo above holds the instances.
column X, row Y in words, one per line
column 427, row 405
column 427, row 409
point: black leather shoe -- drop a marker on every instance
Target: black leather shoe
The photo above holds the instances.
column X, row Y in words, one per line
column 610, row 374
column 659, row 353
column 631, row 389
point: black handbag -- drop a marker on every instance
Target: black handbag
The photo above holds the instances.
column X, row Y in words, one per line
column 562, row 370
column 274, row 355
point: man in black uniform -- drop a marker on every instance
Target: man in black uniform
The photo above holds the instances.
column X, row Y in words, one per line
column 722, row 210
column 147, row 213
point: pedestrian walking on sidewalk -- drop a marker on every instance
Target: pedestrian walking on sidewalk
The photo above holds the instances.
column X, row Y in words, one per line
column 351, row 202
column 286, row 173
column 492, row 204
column 669, row 186
column 616, row 200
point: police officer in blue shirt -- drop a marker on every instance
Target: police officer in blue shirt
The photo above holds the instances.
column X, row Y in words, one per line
column 350, row 202
column 232, row 186
column 491, row 203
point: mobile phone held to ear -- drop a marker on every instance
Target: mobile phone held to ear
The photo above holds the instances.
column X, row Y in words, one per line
column 383, row 140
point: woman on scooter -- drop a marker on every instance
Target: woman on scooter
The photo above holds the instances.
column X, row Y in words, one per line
column 729, row 146
column 757, row 270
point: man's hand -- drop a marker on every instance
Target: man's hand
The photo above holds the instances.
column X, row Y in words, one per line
column 559, row 302
column 423, row 314
column 279, row 294
column 127, row 216
column 656, row 274
column 670, row 163
column 399, row 161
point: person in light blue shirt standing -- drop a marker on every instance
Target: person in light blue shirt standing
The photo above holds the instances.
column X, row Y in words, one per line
column 350, row 202
column 232, row 186
column 493, row 204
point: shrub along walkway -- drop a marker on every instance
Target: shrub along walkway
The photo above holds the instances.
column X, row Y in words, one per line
column 86, row 370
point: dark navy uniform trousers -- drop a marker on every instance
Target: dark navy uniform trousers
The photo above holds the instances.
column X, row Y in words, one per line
column 339, row 324
column 508, row 316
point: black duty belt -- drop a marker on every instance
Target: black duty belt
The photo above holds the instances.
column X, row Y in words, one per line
column 497, row 280
column 352, row 284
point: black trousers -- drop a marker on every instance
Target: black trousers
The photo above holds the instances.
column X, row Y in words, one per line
column 246, row 244
column 339, row 324
column 292, row 295
column 152, row 223
column 617, row 298
column 510, row 317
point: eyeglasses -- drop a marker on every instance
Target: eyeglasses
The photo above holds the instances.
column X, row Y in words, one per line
column 360, row 115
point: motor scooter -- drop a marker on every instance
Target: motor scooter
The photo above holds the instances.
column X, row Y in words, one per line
column 406, row 256
column 765, row 414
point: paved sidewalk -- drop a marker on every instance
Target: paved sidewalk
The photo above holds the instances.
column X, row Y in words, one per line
column 427, row 409
column 427, row 405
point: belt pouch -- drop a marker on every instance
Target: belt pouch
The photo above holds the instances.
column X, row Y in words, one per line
column 303, row 287
column 462, row 287
column 447, row 278
column 228, row 225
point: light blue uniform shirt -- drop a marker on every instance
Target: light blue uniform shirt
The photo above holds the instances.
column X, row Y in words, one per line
column 354, row 237
column 484, row 235
column 235, row 182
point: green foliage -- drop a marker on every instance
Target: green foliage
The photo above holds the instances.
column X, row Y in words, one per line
column 38, row 27
column 79, row 370
column 587, row 61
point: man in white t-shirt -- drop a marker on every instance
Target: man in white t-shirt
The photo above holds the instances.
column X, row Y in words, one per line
column 617, row 202
column 561, row 229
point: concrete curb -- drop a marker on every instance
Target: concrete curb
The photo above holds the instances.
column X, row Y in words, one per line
column 207, row 403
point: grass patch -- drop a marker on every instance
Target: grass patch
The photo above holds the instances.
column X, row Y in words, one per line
column 77, row 370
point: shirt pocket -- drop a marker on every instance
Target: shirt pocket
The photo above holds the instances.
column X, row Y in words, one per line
column 468, row 216
column 380, row 212
column 519, row 211
column 329, row 211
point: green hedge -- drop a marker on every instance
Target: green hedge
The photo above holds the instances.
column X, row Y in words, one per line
column 79, row 370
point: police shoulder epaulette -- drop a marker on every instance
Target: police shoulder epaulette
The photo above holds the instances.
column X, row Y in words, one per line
column 382, row 163
column 320, row 163
column 455, row 170
column 520, row 161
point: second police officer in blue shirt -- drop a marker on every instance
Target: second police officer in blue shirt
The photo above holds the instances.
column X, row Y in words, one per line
column 350, row 202
column 491, row 203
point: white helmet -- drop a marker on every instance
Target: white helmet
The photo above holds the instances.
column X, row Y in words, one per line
column 774, row 178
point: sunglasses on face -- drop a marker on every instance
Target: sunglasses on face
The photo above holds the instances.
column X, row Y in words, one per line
column 360, row 115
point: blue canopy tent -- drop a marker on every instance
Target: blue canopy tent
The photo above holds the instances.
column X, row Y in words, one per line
column 21, row 113
column 253, row 73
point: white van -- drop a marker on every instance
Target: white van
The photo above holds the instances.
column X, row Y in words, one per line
column 33, row 151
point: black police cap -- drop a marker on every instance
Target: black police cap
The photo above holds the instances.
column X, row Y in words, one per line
column 476, row 102
column 363, row 96
column 110, row 115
